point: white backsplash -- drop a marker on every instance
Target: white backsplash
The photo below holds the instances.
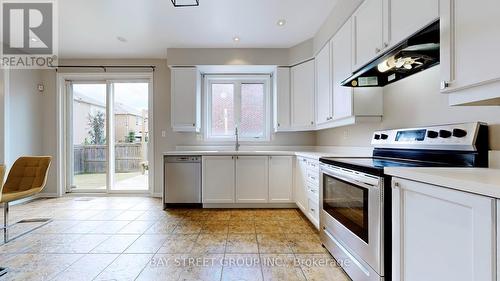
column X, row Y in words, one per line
column 494, row 159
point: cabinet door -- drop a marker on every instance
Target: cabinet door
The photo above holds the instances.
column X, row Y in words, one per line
column 281, row 179
column 408, row 16
column 368, row 34
column 323, row 86
column 303, row 96
column 252, row 182
column 342, row 68
column 218, row 179
column 455, row 229
column 184, row 99
column 300, row 192
column 470, row 40
column 282, row 99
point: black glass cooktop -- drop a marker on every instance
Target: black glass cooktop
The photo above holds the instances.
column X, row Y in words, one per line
column 374, row 165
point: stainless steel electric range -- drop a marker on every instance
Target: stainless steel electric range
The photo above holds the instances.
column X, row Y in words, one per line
column 355, row 193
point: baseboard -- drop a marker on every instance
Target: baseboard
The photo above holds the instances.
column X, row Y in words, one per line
column 89, row 194
column 250, row 206
column 157, row 195
column 47, row 195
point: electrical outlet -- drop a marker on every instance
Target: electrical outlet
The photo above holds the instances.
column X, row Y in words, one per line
column 163, row 134
column 346, row 134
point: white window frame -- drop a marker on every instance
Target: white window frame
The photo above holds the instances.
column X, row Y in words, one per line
column 236, row 80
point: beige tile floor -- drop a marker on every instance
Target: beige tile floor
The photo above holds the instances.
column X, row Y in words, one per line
column 132, row 238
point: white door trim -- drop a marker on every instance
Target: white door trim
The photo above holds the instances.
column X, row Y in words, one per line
column 61, row 154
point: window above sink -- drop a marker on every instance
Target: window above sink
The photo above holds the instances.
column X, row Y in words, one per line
column 237, row 101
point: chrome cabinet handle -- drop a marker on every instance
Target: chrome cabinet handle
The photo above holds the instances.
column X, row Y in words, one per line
column 377, row 50
column 386, row 44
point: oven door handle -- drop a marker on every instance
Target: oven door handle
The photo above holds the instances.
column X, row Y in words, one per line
column 351, row 178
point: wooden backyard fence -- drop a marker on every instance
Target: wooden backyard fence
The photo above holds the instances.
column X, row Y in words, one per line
column 92, row 159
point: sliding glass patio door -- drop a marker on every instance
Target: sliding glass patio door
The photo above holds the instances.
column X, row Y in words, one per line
column 107, row 144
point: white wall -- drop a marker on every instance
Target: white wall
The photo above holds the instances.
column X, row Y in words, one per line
column 221, row 56
column 339, row 15
column 4, row 84
column 415, row 101
column 24, row 127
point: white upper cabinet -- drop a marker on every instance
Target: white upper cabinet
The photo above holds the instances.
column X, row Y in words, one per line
column 342, row 69
column 185, row 99
column 252, row 184
column 324, row 99
column 218, row 179
column 407, row 17
column 368, row 32
column 282, row 99
column 470, row 40
column 381, row 24
column 302, row 89
column 455, row 229
column 280, row 179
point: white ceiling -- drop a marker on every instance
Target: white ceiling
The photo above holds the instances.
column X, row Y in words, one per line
column 89, row 28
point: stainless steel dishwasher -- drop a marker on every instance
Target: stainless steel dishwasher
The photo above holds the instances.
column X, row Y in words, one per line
column 182, row 181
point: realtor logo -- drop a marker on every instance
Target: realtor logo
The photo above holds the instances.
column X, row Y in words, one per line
column 28, row 34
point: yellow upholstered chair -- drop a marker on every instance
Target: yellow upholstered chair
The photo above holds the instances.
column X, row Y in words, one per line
column 27, row 177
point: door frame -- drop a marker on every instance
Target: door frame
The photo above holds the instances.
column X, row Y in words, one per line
column 63, row 156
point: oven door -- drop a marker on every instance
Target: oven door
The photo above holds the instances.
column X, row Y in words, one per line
column 351, row 212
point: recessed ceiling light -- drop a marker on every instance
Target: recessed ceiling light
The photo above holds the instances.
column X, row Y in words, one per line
column 121, row 39
column 236, row 39
column 281, row 22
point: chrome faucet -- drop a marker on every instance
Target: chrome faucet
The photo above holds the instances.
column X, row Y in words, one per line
column 237, row 144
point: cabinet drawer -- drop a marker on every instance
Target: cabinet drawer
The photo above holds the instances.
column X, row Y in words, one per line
column 313, row 165
column 313, row 211
column 312, row 177
column 313, row 194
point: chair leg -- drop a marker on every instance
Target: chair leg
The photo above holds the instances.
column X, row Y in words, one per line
column 6, row 225
column 5, row 222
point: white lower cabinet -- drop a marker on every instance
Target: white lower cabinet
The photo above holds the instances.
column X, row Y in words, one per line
column 218, row 179
column 247, row 179
column 301, row 183
column 280, row 179
column 442, row 234
column 307, row 188
column 313, row 211
column 252, row 179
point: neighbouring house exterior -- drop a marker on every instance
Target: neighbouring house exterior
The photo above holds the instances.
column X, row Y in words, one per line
column 127, row 119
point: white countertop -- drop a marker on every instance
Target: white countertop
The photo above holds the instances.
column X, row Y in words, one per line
column 307, row 154
column 228, row 152
column 482, row 181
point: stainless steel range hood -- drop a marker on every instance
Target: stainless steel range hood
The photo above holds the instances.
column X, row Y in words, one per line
column 418, row 52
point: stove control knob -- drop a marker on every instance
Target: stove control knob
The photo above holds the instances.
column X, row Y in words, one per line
column 459, row 133
column 377, row 136
column 444, row 134
column 384, row 136
column 432, row 134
